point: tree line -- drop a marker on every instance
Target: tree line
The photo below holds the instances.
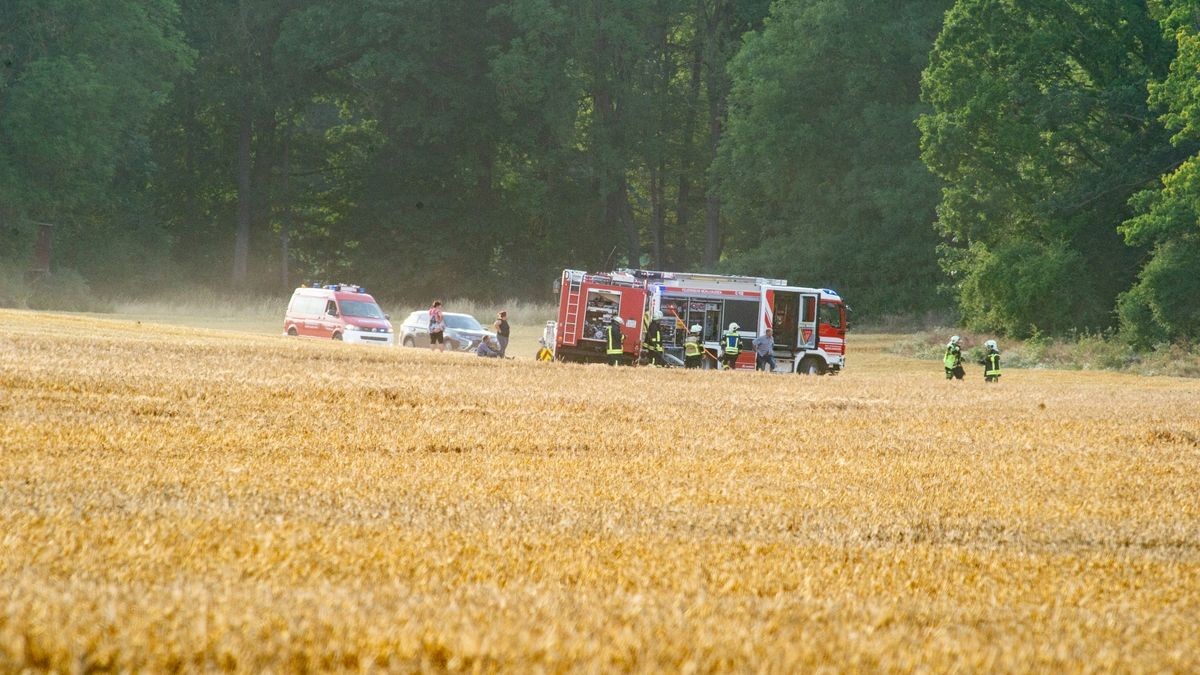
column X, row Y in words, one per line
column 1031, row 165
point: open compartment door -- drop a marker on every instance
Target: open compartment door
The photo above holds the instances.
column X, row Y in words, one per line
column 792, row 314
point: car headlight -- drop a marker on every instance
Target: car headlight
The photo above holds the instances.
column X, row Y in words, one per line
column 387, row 330
column 350, row 327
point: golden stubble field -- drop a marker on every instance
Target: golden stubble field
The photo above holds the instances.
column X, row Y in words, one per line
column 174, row 499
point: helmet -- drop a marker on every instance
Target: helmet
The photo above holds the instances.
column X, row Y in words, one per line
column 615, row 318
column 657, row 315
column 991, row 344
column 734, row 326
column 696, row 328
column 954, row 339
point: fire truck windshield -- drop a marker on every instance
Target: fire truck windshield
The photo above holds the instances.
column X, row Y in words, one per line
column 831, row 314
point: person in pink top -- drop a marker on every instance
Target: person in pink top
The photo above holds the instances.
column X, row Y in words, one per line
column 437, row 327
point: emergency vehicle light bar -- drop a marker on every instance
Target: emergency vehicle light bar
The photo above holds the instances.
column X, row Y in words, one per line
column 346, row 288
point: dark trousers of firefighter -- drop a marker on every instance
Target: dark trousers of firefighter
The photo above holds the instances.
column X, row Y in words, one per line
column 730, row 360
column 692, row 361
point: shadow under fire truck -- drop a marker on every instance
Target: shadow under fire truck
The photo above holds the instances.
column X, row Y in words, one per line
column 809, row 324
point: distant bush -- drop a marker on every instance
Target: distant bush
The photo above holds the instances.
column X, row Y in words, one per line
column 65, row 291
column 1083, row 351
column 14, row 291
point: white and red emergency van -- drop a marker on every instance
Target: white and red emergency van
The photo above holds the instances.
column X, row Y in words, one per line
column 338, row 312
column 808, row 324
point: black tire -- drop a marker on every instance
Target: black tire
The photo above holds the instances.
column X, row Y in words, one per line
column 409, row 342
column 337, row 336
column 292, row 331
column 811, row 366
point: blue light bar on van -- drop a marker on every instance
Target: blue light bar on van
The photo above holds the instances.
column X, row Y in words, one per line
column 346, row 288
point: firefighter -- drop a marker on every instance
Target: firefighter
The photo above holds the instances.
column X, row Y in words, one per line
column 730, row 341
column 953, row 359
column 991, row 362
column 615, row 340
column 653, row 342
column 693, row 349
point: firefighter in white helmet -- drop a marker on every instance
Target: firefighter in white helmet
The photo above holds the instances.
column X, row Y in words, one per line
column 693, row 350
column 991, row 362
column 653, row 342
column 615, row 340
column 952, row 361
column 731, row 345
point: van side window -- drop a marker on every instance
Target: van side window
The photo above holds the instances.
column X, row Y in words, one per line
column 331, row 308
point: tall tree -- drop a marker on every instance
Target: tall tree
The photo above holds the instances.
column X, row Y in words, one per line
column 78, row 82
column 819, row 168
column 1164, row 304
column 1041, row 132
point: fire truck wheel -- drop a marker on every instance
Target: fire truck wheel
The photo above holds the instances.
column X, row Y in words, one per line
column 292, row 331
column 811, row 366
column 409, row 342
column 337, row 336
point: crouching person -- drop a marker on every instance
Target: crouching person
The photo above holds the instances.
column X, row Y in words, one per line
column 488, row 347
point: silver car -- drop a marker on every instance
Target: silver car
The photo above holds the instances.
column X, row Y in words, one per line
column 463, row 332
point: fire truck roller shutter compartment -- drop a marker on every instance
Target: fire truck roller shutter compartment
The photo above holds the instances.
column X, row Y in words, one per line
column 600, row 307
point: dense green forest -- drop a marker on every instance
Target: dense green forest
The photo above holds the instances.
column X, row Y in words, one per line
column 1032, row 166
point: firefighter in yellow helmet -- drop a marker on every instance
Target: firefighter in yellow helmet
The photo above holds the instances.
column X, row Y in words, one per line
column 693, row 349
column 731, row 344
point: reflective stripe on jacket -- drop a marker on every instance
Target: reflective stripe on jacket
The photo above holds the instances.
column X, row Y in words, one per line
column 615, row 339
column 731, row 342
column 993, row 364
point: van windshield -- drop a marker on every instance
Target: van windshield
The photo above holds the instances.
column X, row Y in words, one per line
column 359, row 308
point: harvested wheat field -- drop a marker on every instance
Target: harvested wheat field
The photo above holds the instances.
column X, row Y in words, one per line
column 174, row 499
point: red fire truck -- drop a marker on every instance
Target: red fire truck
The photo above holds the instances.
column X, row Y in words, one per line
column 586, row 304
column 809, row 324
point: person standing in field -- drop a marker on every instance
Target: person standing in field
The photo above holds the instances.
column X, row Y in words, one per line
column 501, row 329
column 952, row 361
column 615, row 341
column 693, row 351
column 437, row 327
column 991, row 362
column 730, row 341
column 764, row 352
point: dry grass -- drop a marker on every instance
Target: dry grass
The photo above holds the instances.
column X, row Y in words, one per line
column 177, row 499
